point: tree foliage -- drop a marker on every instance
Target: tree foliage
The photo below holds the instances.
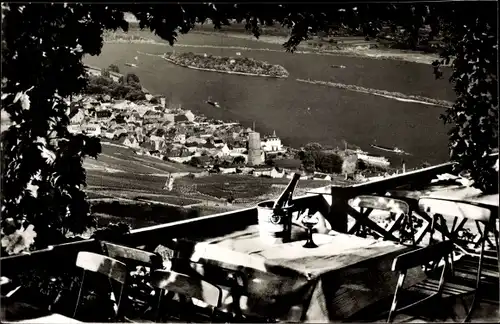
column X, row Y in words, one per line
column 114, row 68
column 132, row 79
column 314, row 158
column 42, row 50
column 349, row 165
column 105, row 85
column 195, row 161
column 42, row 173
column 239, row 160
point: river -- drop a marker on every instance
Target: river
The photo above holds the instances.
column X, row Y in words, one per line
column 299, row 112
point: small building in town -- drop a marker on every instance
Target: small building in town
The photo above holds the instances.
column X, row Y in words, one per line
column 103, row 115
column 322, row 176
column 224, row 151
column 74, row 129
column 272, row 143
column 76, row 115
column 91, row 129
column 180, row 138
column 189, row 115
column 152, row 116
column 218, row 142
column 269, row 172
column 130, row 141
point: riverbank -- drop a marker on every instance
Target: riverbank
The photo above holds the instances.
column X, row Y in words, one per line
column 348, row 47
column 382, row 93
column 237, row 65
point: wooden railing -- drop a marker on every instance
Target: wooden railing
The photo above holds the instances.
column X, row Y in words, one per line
column 340, row 209
column 336, row 213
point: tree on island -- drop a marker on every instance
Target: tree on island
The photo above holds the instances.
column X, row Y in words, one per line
column 42, row 50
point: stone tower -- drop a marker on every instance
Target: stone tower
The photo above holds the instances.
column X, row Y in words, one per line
column 254, row 149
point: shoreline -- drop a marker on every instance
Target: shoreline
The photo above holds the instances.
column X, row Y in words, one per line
column 381, row 93
column 348, row 51
column 355, row 49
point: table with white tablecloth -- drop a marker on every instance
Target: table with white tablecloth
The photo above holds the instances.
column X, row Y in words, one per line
column 344, row 274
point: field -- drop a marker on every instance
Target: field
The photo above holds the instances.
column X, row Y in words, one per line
column 123, row 186
column 121, row 158
column 187, row 190
column 244, row 188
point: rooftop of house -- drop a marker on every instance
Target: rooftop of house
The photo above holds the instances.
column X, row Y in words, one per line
column 153, row 113
column 74, row 109
column 273, row 136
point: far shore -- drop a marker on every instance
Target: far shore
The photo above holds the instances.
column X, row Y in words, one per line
column 348, row 48
column 353, row 50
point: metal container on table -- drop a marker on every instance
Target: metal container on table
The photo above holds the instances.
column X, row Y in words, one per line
column 274, row 225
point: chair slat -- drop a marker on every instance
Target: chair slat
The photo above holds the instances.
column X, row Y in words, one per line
column 389, row 204
column 187, row 286
column 107, row 266
column 123, row 253
column 454, row 209
column 432, row 285
column 421, row 256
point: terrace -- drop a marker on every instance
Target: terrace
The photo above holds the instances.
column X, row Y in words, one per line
column 360, row 271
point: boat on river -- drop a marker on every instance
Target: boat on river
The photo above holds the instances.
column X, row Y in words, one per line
column 389, row 149
column 212, row 103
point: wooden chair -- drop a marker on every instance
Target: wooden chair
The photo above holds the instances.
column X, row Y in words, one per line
column 232, row 281
column 132, row 258
column 109, row 267
column 445, row 208
column 432, row 288
column 399, row 207
column 190, row 287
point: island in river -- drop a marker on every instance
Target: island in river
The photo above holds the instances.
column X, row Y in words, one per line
column 232, row 65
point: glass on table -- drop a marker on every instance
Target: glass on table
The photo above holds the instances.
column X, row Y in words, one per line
column 309, row 222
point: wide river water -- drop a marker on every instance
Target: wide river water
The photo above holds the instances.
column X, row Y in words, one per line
column 299, row 112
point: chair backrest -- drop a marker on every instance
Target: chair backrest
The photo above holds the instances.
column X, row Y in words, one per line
column 109, row 267
column 125, row 253
column 187, row 286
column 389, row 204
column 413, row 259
column 453, row 208
column 422, row 256
column 102, row 264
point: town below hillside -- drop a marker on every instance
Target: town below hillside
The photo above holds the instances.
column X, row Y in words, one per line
column 151, row 126
column 164, row 163
column 117, row 109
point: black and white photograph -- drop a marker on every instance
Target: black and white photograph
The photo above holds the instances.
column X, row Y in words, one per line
column 249, row 162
